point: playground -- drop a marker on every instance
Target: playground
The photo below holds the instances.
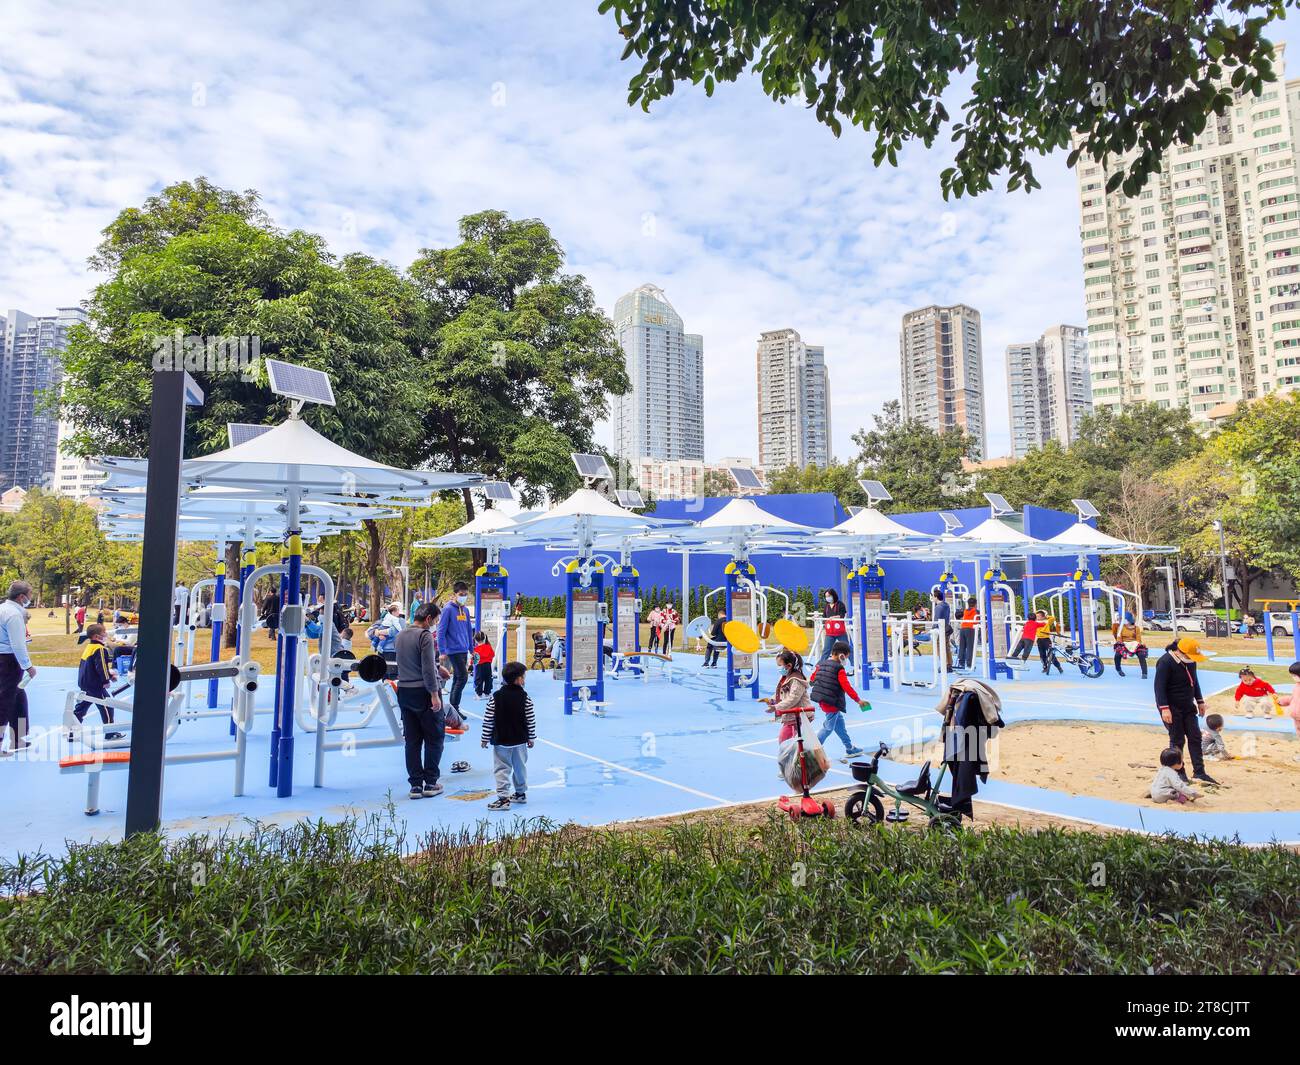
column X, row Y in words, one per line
column 665, row 746
column 627, row 733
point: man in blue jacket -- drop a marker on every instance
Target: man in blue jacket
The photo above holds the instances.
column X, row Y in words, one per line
column 455, row 640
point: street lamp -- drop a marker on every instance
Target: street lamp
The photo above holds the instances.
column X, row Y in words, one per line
column 1223, row 569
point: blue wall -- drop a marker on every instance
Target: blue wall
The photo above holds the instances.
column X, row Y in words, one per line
column 530, row 567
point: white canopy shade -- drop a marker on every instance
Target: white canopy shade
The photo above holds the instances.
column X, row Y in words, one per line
column 293, row 455
column 739, row 526
column 488, row 528
column 1082, row 539
column 241, row 506
column 583, row 516
column 863, row 534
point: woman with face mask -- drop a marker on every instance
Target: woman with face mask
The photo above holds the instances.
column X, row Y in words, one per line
column 14, row 662
column 834, row 628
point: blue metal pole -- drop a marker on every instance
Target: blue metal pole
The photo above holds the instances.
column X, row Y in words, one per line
column 218, row 596
column 279, row 675
column 289, row 687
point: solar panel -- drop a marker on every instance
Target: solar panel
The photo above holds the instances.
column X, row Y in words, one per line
column 1085, row 508
column 745, row 477
column 998, row 503
column 855, row 510
column 950, row 520
column 496, row 490
column 242, row 432
column 593, row 466
column 629, row 499
column 876, row 492
column 299, row 382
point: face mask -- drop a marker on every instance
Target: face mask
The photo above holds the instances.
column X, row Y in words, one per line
column 462, row 599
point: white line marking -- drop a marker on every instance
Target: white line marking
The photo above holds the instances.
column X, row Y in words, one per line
column 638, row 773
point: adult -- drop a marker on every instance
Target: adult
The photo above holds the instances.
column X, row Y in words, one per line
column 180, row 601
column 419, row 695
column 834, row 627
column 1128, row 637
column 966, row 637
column 943, row 618
column 270, row 613
column 669, row 625
column 655, row 619
column 80, row 615
column 456, row 639
column 14, row 662
column 387, row 629
column 1179, row 699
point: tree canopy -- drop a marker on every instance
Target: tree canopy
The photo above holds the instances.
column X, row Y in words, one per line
column 921, row 468
column 1130, row 77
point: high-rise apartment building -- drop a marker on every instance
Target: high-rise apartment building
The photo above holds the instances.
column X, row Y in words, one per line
column 1192, row 287
column 73, row 476
column 29, row 369
column 942, row 367
column 1048, row 388
column 662, row 416
column 794, row 417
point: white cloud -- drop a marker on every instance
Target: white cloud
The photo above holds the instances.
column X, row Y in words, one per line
column 379, row 127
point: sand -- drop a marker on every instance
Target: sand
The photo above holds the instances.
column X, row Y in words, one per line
column 1118, row 761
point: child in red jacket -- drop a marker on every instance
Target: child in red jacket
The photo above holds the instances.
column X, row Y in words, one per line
column 828, row 686
column 1254, row 694
column 484, row 655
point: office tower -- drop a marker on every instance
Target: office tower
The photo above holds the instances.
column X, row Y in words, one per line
column 662, row 416
column 1048, row 388
column 942, row 369
column 1192, row 287
column 29, row 371
column 794, row 418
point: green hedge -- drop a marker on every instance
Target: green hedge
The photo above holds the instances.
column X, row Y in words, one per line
column 700, row 897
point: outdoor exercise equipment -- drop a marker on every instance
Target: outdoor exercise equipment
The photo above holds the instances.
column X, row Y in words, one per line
column 1079, row 596
column 99, row 755
column 862, row 538
column 739, row 529
column 294, row 463
column 1275, row 622
column 574, row 525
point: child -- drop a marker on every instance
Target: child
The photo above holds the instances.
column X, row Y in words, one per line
column 1026, row 642
column 509, row 726
column 1212, row 745
column 1170, row 783
column 94, row 675
column 830, row 683
column 717, row 640
column 791, row 692
column 1254, row 694
column 484, row 654
column 966, row 638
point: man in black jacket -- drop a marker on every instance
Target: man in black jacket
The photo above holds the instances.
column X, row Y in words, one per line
column 1179, row 699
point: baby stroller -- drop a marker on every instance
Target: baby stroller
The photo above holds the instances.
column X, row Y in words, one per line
column 803, row 769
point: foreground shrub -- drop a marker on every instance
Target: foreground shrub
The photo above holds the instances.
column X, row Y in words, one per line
column 700, row 897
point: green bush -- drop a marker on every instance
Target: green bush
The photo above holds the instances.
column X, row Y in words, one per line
column 700, row 897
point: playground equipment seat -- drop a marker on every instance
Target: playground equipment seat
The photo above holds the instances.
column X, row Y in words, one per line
column 92, row 764
column 921, row 785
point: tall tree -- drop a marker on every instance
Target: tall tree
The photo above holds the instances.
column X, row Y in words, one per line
column 521, row 361
column 1144, row 511
column 921, row 468
column 60, row 538
column 197, row 261
column 1131, row 77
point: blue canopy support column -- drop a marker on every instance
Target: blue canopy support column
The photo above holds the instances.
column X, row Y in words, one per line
column 867, row 588
column 218, row 617
column 996, row 609
column 584, row 633
column 491, row 606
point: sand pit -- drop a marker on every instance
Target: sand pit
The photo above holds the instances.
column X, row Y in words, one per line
column 1118, row 761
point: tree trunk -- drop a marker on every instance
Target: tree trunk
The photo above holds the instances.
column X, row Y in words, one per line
column 234, row 559
column 375, row 560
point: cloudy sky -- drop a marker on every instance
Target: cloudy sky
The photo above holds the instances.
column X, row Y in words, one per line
column 380, row 124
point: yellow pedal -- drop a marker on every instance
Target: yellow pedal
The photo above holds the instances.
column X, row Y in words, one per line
column 790, row 636
column 743, row 638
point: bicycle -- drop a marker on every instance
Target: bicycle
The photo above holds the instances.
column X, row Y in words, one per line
column 1090, row 664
